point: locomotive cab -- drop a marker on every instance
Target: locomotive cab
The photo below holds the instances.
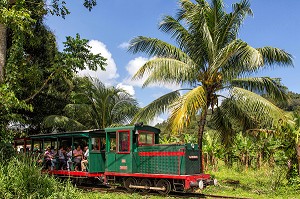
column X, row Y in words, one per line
column 122, row 146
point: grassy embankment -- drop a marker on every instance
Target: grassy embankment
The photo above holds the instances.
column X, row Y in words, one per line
column 264, row 183
column 20, row 178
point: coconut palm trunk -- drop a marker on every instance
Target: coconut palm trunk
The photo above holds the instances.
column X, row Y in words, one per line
column 201, row 125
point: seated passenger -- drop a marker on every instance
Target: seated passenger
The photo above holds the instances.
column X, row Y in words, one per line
column 62, row 158
column 77, row 154
column 69, row 158
column 48, row 156
column 53, row 160
column 84, row 162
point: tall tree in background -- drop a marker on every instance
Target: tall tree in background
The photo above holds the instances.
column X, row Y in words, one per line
column 15, row 15
column 208, row 60
column 36, row 73
column 94, row 106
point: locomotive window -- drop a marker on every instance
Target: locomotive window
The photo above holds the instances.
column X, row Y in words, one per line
column 146, row 138
column 123, row 142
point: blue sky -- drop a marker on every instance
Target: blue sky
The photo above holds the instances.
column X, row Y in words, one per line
column 112, row 23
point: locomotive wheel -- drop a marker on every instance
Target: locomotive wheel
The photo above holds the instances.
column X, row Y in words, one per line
column 128, row 182
column 166, row 184
column 146, row 183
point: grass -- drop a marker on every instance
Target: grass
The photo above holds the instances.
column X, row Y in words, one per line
column 263, row 183
column 20, row 177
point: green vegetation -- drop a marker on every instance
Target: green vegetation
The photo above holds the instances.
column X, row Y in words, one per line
column 94, row 106
column 266, row 182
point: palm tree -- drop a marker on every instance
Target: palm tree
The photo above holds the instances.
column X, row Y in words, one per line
column 95, row 106
column 208, row 60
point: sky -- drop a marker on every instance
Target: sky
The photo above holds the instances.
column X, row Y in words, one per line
column 113, row 23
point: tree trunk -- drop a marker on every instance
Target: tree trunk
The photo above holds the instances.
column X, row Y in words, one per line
column 201, row 125
column 3, row 46
column 2, row 51
column 246, row 161
column 259, row 159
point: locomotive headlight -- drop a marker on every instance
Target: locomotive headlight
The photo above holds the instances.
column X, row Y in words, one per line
column 201, row 184
column 215, row 182
column 192, row 145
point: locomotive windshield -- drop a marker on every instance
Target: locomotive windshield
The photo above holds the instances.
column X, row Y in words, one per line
column 146, row 138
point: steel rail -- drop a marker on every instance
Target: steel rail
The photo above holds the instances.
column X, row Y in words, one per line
column 171, row 194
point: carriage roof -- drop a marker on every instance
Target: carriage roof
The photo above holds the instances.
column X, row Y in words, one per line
column 83, row 133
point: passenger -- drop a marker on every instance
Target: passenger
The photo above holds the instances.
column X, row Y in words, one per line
column 69, row 158
column 53, row 160
column 48, row 156
column 62, row 158
column 77, row 154
column 84, row 162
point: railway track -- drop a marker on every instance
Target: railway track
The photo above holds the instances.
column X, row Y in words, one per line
column 171, row 194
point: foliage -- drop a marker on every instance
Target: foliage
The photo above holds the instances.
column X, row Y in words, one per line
column 252, row 183
column 8, row 105
column 94, row 106
column 21, row 178
column 36, row 72
column 58, row 7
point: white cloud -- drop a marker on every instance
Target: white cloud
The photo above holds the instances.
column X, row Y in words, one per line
column 156, row 120
column 108, row 76
column 124, row 45
column 127, row 88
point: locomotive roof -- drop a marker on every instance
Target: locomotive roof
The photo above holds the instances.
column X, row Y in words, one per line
column 83, row 133
column 134, row 127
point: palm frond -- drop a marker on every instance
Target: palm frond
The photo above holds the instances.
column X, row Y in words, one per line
column 230, row 24
column 262, row 85
column 277, row 56
column 156, row 107
column 187, row 106
column 62, row 122
column 165, row 70
column 258, row 108
column 237, row 57
column 177, row 31
column 156, row 47
column 214, row 16
column 223, row 124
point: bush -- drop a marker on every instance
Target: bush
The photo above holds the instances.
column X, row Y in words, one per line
column 21, row 177
column 6, row 151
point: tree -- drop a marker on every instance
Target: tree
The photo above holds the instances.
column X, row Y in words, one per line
column 15, row 15
column 94, row 106
column 209, row 59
